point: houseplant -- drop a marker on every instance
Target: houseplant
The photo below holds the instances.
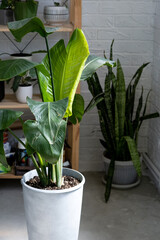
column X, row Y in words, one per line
column 58, row 76
column 23, row 85
column 25, row 9
column 57, row 13
column 119, row 124
column 6, row 11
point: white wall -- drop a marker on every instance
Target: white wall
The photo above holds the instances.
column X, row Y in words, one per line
column 154, row 126
column 130, row 23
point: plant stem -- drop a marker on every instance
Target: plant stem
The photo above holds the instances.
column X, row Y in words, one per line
column 16, row 137
column 58, row 167
column 42, row 164
column 42, row 177
column 53, row 173
column 39, row 85
column 50, row 67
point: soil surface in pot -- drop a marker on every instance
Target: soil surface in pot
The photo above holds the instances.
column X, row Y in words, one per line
column 68, row 182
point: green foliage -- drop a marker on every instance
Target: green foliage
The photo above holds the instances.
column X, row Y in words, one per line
column 7, row 117
column 120, row 119
column 47, row 133
column 58, row 76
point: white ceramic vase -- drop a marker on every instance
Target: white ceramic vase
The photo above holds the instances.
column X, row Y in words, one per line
column 53, row 214
column 23, row 92
column 55, row 14
column 124, row 173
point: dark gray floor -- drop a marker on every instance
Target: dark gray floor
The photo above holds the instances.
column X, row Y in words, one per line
column 129, row 215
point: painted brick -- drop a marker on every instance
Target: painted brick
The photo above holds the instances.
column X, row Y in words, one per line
column 114, row 33
column 132, row 21
column 97, row 20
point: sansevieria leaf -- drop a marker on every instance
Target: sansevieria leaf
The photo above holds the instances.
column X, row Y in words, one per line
column 134, row 154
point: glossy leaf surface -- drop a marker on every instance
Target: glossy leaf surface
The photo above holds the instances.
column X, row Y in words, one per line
column 77, row 109
column 67, row 65
column 20, row 28
column 12, row 68
column 46, row 135
column 7, row 117
column 92, row 64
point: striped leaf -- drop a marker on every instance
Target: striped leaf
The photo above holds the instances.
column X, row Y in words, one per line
column 134, row 154
column 120, row 98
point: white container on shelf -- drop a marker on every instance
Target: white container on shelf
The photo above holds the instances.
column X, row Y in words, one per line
column 55, row 14
column 23, row 92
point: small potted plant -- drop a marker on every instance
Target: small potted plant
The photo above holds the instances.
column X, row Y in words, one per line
column 57, row 13
column 23, row 85
column 56, row 213
column 25, row 9
column 6, row 11
column 120, row 121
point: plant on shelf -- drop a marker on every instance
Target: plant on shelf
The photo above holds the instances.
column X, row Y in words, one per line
column 6, row 11
column 120, row 118
column 25, row 9
column 7, row 4
column 58, row 77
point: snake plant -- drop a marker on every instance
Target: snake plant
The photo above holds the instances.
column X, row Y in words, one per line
column 120, row 118
column 58, row 76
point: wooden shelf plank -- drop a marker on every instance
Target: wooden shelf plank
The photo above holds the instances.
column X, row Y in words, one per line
column 10, row 102
column 9, row 176
column 66, row 27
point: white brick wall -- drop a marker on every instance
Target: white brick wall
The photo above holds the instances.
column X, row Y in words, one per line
column 130, row 23
column 154, row 126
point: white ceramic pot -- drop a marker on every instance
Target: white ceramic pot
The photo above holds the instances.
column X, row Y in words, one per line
column 25, row 56
column 124, row 173
column 23, row 92
column 53, row 214
column 55, row 15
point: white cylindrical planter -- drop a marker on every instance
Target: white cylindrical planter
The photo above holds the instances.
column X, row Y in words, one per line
column 124, row 173
column 53, row 214
column 23, row 92
column 56, row 14
column 25, row 56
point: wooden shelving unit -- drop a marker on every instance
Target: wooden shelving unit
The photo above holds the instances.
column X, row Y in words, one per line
column 10, row 101
column 66, row 27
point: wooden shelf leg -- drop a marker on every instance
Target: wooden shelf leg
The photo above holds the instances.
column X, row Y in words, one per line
column 73, row 141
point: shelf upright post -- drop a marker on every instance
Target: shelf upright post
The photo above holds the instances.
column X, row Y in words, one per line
column 74, row 130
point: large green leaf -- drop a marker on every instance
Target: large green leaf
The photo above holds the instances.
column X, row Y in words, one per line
column 67, row 65
column 77, row 109
column 7, row 117
column 2, row 153
column 20, row 28
column 12, row 68
column 92, row 64
column 46, row 135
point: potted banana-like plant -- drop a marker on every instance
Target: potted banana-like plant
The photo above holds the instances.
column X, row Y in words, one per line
column 120, row 121
column 50, row 214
